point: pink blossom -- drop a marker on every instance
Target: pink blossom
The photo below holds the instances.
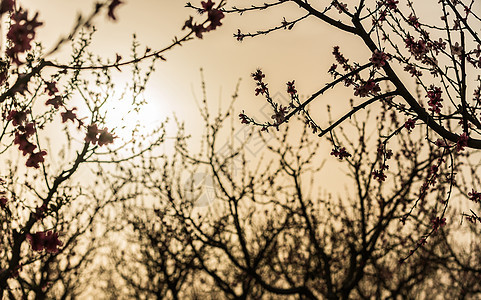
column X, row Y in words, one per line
column 437, row 223
column 21, row 139
column 258, row 75
column 214, row 16
column 341, row 7
column 51, row 88
column 243, row 118
column 379, row 59
column 340, row 58
column 290, row 88
column 379, row 175
column 207, row 5
column 68, row 115
column 367, row 88
column 280, row 115
column 409, row 125
column 35, row 159
column 6, row 6
column 36, row 240
column 391, row 4
column 434, row 95
column 462, row 142
column 457, row 49
column 105, row 137
column 474, row 196
column 340, row 153
column 92, row 131
column 413, row 21
column 55, row 101
column 17, row 117
column 21, row 33
column 40, row 241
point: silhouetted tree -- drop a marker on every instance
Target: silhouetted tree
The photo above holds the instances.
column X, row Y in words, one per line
column 435, row 45
column 63, row 107
column 266, row 234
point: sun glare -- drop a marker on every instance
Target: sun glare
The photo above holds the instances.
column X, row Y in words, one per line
column 128, row 119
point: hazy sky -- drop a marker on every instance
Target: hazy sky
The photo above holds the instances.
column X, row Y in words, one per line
column 302, row 54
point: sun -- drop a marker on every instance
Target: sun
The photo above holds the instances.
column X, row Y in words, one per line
column 129, row 118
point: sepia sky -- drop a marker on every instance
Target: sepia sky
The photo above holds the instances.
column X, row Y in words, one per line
column 302, row 54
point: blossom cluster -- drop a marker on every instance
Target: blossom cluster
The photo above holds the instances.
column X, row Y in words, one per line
column 340, row 152
column 94, row 134
column 280, row 111
column 474, row 196
column 366, row 88
column 341, row 7
column 98, row 136
column 362, row 88
column 379, row 175
column 409, row 124
column 420, row 49
column 434, row 96
column 57, row 102
column 411, row 69
column 44, row 241
column 261, row 85
column 462, row 142
column 438, row 223
column 21, row 33
column 383, row 156
column 344, row 62
column 379, row 59
column 279, row 115
column 431, row 179
column 214, row 16
column 417, row 48
column 244, row 118
column 23, row 131
column 413, row 21
column 291, row 89
column 384, row 6
column 391, row 4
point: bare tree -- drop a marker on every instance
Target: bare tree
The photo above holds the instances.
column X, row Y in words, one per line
column 268, row 234
column 52, row 107
column 435, row 45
